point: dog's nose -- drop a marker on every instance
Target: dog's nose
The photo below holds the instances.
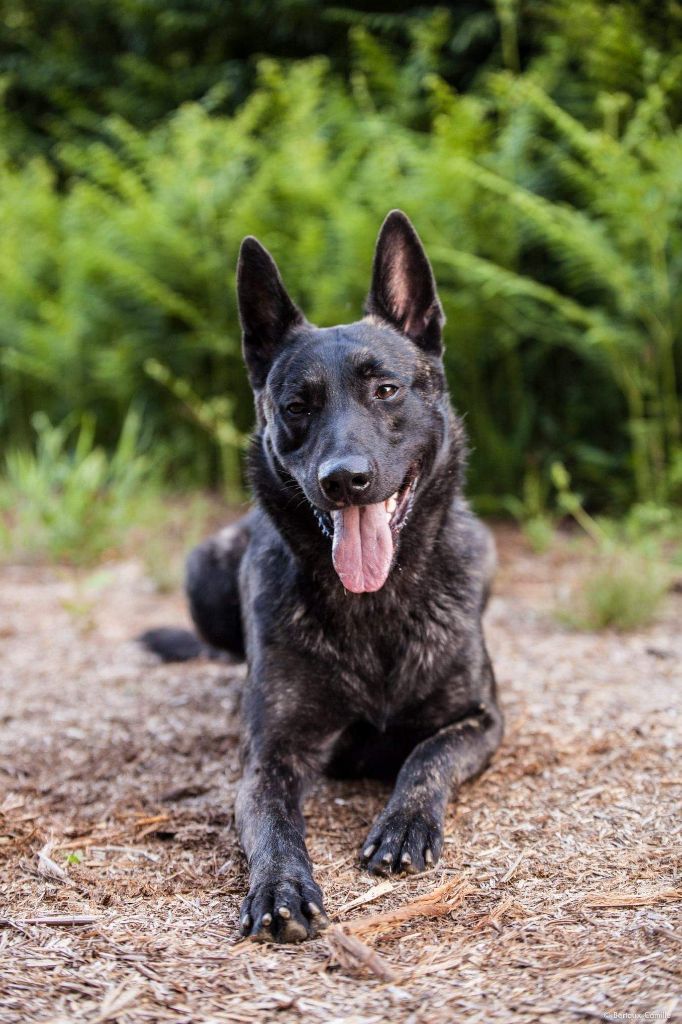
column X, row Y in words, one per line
column 345, row 479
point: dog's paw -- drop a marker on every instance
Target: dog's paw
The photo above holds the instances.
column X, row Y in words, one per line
column 283, row 909
column 402, row 841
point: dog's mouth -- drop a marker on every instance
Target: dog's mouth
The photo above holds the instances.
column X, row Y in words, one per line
column 364, row 537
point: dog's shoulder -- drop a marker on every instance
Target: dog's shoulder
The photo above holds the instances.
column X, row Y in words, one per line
column 472, row 541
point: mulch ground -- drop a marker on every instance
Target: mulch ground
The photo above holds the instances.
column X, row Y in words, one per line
column 557, row 898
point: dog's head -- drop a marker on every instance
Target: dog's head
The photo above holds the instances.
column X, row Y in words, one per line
column 355, row 414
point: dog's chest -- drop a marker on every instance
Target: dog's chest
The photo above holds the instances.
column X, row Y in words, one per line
column 381, row 657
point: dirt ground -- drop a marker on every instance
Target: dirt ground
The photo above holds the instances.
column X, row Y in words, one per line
column 557, row 899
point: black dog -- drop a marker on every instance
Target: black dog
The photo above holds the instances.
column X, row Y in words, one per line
column 355, row 586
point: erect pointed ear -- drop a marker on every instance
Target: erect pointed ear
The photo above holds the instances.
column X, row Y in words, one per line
column 403, row 290
column 266, row 312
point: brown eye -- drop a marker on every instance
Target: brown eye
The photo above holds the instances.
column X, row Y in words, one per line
column 385, row 391
column 296, row 408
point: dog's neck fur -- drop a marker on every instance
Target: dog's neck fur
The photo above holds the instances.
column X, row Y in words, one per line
column 294, row 519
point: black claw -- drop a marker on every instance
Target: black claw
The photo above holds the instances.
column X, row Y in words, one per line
column 283, row 911
column 408, row 844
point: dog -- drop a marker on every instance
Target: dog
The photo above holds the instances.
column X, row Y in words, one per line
column 354, row 587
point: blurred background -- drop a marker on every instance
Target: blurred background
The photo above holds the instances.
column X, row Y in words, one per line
column 535, row 144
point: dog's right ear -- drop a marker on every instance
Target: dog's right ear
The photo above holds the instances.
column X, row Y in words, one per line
column 266, row 312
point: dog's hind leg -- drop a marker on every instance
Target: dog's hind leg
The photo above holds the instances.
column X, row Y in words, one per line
column 212, row 587
column 408, row 834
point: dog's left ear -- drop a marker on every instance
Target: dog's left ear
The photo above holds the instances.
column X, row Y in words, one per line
column 403, row 289
column 266, row 312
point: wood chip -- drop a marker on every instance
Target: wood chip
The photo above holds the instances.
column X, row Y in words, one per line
column 375, row 893
column 633, row 899
column 437, row 903
column 49, row 868
column 354, row 954
column 58, row 920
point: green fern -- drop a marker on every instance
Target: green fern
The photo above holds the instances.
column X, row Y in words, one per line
column 549, row 199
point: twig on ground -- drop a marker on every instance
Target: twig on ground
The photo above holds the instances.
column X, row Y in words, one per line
column 633, row 899
column 61, row 920
column 49, row 868
column 367, row 897
column 353, row 954
column 132, row 851
column 437, row 903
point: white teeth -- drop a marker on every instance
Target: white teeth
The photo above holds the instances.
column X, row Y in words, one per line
column 392, row 503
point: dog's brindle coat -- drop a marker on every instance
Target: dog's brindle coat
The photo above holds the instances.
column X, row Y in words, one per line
column 394, row 682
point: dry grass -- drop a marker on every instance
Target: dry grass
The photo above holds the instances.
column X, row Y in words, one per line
column 557, row 899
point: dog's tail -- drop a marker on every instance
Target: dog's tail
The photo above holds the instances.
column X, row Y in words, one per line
column 177, row 644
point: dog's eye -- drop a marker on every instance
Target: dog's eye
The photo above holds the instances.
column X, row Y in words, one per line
column 385, row 391
column 296, row 408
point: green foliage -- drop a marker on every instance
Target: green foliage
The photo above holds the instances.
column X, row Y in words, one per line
column 570, row 503
column 67, row 66
column 539, row 532
column 630, row 574
column 531, row 511
column 618, row 250
column 546, row 188
column 623, row 593
column 215, row 416
column 648, row 523
column 72, row 501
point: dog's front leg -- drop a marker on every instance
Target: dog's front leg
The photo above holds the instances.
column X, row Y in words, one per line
column 284, row 903
column 408, row 834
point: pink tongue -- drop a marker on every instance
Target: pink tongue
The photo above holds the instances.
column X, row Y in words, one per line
column 363, row 547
